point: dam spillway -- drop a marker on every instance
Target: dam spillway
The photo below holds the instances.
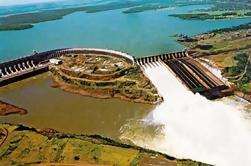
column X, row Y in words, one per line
column 191, row 73
column 188, row 125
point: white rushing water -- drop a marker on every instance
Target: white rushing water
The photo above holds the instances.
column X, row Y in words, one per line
column 215, row 132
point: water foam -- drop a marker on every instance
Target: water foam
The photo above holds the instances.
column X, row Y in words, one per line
column 215, row 132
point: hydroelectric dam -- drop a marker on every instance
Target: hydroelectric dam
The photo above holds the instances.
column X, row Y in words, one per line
column 187, row 69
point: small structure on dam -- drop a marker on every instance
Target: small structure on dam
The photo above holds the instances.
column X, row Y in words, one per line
column 188, row 70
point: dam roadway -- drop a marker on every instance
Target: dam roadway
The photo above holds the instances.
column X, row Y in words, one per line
column 188, row 70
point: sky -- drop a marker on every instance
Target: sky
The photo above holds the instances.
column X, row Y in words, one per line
column 19, row 2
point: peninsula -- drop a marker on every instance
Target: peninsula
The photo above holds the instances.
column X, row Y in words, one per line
column 104, row 75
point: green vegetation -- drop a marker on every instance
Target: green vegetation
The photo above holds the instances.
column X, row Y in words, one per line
column 222, row 41
column 241, row 72
column 209, row 15
column 232, row 29
column 146, row 7
column 15, row 27
column 248, row 14
column 26, row 20
column 225, row 9
column 20, row 145
column 104, row 76
column 193, row 16
column 227, row 5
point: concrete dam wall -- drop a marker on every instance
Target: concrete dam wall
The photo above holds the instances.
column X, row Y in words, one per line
column 36, row 63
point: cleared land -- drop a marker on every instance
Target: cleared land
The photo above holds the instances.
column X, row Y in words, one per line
column 104, row 76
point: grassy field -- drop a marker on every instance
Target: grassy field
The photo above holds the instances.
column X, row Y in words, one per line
column 20, row 145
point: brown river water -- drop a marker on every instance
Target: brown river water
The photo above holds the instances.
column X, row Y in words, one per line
column 72, row 113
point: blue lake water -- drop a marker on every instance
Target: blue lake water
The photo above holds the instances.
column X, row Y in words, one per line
column 137, row 34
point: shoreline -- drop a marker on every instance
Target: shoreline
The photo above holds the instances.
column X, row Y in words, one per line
column 9, row 109
column 77, row 90
column 104, row 76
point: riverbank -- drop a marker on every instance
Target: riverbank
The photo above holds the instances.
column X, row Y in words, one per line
column 218, row 11
column 230, row 50
column 23, row 145
column 104, row 76
column 7, row 109
column 213, row 15
column 27, row 20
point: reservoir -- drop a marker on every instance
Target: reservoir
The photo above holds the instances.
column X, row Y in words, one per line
column 138, row 34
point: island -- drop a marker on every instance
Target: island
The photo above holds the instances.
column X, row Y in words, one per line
column 104, row 75
column 229, row 50
column 147, row 7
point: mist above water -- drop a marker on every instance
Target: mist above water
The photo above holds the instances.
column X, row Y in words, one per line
column 190, row 126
